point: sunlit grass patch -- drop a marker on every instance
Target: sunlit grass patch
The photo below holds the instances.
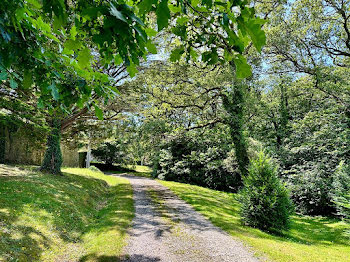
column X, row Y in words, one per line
column 137, row 170
column 309, row 238
column 82, row 215
column 140, row 169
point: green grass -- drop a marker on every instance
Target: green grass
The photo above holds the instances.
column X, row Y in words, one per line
column 313, row 239
column 80, row 216
column 143, row 171
column 140, row 169
column 136, row 170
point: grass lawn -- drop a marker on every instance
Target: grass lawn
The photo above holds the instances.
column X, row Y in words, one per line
column 81, row 216
column 136, row 170
column 140, row 169
column 143, row 171
column 310, row 239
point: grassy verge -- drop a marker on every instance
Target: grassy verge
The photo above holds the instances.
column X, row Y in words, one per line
column 136, row 170
column 80, row 216
column 143, row 171
column 140, row 169
column 315, row 239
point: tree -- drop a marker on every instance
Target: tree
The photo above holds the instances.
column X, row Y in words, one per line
column 202, row 157
column 190, row 97
column 313, row 38
column 110, row 152
column 69, row 44
column 302, row 97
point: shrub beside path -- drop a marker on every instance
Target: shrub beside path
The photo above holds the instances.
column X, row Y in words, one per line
column 166, row 228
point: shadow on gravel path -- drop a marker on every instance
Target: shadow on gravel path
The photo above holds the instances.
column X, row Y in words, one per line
column 167, row 229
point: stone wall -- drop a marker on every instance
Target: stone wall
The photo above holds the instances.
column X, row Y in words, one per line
column 20, row 148
column 70, row 156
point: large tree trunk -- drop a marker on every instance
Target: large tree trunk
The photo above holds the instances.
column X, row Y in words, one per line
column 53, row 156
column 234, row 106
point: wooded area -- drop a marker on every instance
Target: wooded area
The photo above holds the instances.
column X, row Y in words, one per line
column 246, row 97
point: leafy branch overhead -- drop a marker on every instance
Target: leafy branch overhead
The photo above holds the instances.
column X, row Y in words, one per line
column 217, row 32
column 59, row 50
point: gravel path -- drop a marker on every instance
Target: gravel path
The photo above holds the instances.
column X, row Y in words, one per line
column 167, row 229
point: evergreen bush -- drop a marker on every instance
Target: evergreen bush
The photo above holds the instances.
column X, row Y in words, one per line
column 265, row 201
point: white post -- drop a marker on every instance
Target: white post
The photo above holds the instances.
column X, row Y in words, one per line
column 88, row 156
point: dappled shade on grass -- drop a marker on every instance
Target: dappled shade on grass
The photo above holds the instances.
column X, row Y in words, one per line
column 48, row 218
column 309, row 238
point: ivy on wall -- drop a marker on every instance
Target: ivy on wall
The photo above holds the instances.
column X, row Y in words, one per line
column 53, row 156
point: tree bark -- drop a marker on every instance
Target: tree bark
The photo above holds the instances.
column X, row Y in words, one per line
column 67, row 122
column 53, row 156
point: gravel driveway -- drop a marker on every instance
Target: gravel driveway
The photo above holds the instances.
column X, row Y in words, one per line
column 166, row 228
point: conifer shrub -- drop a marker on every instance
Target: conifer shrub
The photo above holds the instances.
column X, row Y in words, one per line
column 265, row 200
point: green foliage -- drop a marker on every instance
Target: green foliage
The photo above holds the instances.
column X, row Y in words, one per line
column 341, row 190
column 234, row 104
column 310, row 191
column 47, row 46
column 310, row 157
column 43, row 35
column 303, row 36
column 163, row 14
column 243, row 70
column 215, row 28
column 98, row 112
column 305, row 130
column 197, row 159
column 110, row 152
column 265, row 201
